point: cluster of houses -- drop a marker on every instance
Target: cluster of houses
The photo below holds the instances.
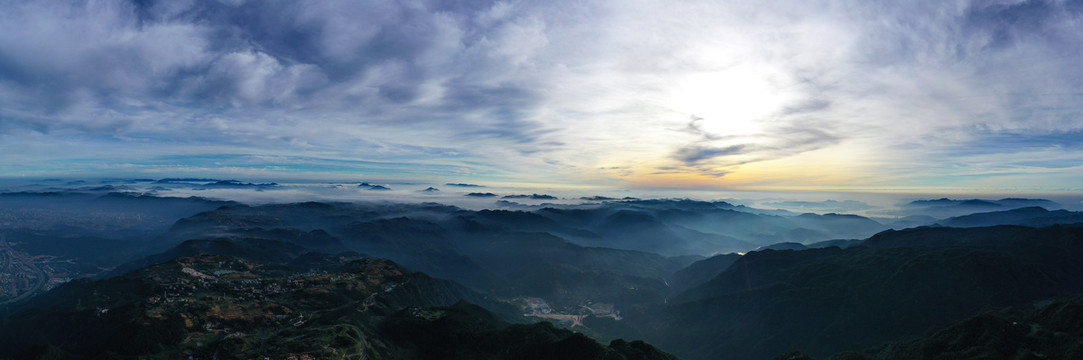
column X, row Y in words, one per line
column 533, row 306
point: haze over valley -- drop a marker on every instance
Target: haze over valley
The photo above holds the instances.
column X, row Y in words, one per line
column 698, row 279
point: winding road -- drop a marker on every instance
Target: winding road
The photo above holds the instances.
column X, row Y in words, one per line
column 10, row 264
column 361, row 355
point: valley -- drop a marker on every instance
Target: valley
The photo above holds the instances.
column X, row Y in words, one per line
column 347, row 280
column 20, row 277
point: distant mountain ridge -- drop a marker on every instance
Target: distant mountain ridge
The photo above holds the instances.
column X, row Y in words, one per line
column 945, row 208
column 1027, row 216
column 823, row 301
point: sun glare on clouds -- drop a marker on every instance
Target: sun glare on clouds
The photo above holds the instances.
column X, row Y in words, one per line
column 732, row 102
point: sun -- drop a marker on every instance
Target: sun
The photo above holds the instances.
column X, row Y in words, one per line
column 734, row 101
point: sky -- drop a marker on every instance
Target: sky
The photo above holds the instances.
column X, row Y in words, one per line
column 843, row 96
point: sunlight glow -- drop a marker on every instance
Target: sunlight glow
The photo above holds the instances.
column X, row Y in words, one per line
column 732, row 101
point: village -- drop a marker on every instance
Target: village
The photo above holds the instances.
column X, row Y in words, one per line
column 230, row 299
column 20, row 277
column 572, row 316
column 24, row 275
column 233, row 290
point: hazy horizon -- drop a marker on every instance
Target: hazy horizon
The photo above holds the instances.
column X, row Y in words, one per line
column 880, row 204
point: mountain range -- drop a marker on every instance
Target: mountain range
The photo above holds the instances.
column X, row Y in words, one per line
column 894, row 285
column 700, row 280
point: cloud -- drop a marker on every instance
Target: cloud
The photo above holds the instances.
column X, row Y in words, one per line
column 463, row 185
column 695, row 154
column 710, row 152
column 822, row 206
column 307, row 77
column 531, row 196
column 204, row 57
column 1004, row 24
column 549, row 92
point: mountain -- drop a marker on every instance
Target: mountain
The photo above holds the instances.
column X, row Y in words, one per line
column 564, row 254
column 1022, row 202
column 759, row 229
column 257, row 249
column 905, row 222
column 668, row 227
column 931, row 237
column 1042, row 330
column 210, row 306
column 698, row 227
column 207, row 304
column 642, row 230
column 841, row 243
column 1026, row 216
column 784, row 246
column 76, row 234
column 248, row 280
column 944, row 207
column 701, row 271
column 234, row 184
column 111, row 215
column 367, row 186
column 186, row 180
column 508, row 253
column 896, row 284
column 465, row 331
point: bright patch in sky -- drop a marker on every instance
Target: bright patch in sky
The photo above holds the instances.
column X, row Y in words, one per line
column 732, row 102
